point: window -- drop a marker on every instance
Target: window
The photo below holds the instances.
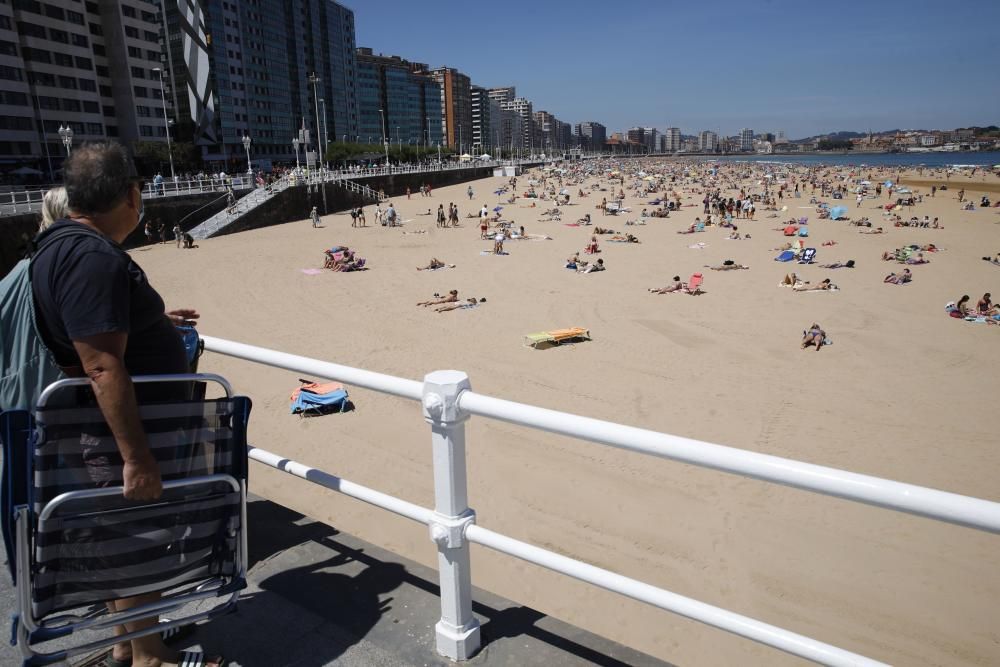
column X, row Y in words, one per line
column 8, row 48
column 138, row 72
column 112, row 130
column 88, row 84
column 99, row 50
column 30, row 29
column 46, row 102
column 70, row 105
column 60, row 36
column 5, row 22
column 67, row 82
column 150, row 36
column 149, row 17
column 54, row 12
column 15, row 147
column 132, row 32
column 79, row 40
column 28, row 6
column 92, row 7
column 96, row 29
column 36, row 55
column 109, row 111
column 128, row 11
column 12, row 98
column 74, row 17
column 95, row 128
column 139, row 91
column 63, row 59
column 102, row 71
column 91, row 107
column 105, row 90
column 41, row 79
column 142, row 111
column 153, row 55
column 135, row 51
column 146, row 131
column 15, row 123
column 84, row 63
column 11, row 73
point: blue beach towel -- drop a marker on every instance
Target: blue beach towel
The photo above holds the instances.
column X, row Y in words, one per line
column 786, row 256
column 319, row 399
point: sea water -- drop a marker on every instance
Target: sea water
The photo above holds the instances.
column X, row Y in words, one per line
column 910, row 160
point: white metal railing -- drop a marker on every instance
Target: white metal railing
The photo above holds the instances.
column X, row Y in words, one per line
column 448, row 401
column 240, row 207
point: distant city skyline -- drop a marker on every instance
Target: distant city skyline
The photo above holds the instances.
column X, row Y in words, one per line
column 784, row 66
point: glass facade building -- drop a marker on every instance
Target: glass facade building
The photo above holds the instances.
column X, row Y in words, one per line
column 409, row 97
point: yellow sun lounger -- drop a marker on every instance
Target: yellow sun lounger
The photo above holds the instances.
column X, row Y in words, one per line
column 556, row 336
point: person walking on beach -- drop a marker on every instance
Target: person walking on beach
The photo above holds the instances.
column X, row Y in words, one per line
column 178, row 234
column 314, row 216
column 470, row 193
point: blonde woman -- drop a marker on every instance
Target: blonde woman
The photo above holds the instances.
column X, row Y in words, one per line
column 55, row 206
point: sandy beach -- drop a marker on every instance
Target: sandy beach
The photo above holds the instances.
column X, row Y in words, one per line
column 903, row 392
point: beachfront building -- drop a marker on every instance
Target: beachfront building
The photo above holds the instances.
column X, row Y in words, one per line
column 591, row 135
column 523, row 108
column 708, row 141
column 548, row 128
column 456, row 107
column 511, row 129
column 635, row 136
column 502, row 94
column 671, row 140
column 564, row 134
column 262, row 70
column 746, row 139
column 651, row 137
column 408, row 97
column 487, row 121
column 90, row 67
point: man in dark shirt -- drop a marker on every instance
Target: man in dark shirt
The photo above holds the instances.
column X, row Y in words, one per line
column 101, row 318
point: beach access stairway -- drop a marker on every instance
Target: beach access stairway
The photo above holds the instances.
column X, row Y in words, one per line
column 229, row 215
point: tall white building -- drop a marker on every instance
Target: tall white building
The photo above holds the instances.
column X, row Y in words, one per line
column 746, row 139
column 708, row 141
column 672, row 139
column 650, row 135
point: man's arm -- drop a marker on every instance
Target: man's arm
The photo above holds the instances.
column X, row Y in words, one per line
column 103, row 359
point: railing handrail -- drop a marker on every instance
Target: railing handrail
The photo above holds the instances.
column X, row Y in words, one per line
column 939, row 505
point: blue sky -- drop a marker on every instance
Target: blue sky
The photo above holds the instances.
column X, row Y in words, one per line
column 805, row 67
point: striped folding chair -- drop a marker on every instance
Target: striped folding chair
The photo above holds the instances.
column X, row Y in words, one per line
column 74, row 542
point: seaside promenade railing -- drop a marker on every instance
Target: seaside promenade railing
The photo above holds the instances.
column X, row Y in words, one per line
column 448, row 402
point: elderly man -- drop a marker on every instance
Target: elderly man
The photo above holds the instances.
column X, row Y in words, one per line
column 101, row 318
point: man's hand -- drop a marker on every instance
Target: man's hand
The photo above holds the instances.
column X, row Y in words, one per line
column 142, row 480
column 183, row 317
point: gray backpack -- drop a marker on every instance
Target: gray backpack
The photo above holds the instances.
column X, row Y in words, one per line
column 26, row 364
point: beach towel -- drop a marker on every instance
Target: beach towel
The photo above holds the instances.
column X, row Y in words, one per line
column 317, row 398
column 786, row 256
column 803, row 231
column 838, row 212
column 698, row 246
column 313, row 272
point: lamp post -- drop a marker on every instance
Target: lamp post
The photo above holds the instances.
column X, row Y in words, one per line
column 66, row 132
column 313, row 79
column 246, row 145
column 166, row 123
column 385, row 140
column 295, row 145
column 326, row 135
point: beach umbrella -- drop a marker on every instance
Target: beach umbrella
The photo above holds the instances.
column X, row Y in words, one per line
column 838, row 212
column 497, row 209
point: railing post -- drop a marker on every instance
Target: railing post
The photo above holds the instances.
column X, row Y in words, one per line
column 458, row 630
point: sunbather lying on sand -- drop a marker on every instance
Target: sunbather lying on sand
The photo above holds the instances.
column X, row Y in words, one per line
column 877, row 230
column 727, row 267
column 806, row 287
column 626, row 238
column 435, row 263
column 899, row 278
column 584, row 267
column 468, row 303
column 919, row 259
column 452, row 297
column 849, row 264
column 674, row 286
column 814, row 336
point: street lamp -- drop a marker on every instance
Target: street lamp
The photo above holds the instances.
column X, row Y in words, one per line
column 385, row 141
column 246, row 145
column 326, row 135
column 166, row 123
column 66, row 132
column 295, row 145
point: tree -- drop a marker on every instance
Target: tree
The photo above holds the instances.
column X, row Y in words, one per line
column 153, row 156
column 835, row 145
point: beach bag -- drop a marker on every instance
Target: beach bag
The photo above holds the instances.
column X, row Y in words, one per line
column 26, row 364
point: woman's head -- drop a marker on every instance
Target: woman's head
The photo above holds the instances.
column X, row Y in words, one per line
column 55, row 205
column 965, row 297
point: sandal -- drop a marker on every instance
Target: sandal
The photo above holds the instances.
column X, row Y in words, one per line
column 168, row 636
column 198, row 659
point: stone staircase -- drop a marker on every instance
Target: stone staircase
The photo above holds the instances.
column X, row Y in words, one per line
column 255, row 198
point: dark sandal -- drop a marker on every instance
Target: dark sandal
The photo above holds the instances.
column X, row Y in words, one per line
column 197, row 659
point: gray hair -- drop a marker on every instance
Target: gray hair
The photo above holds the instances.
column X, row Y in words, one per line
column 97, row 177
column 55, row 206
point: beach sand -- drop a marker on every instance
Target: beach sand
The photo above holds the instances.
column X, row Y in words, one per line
column 903, row 393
